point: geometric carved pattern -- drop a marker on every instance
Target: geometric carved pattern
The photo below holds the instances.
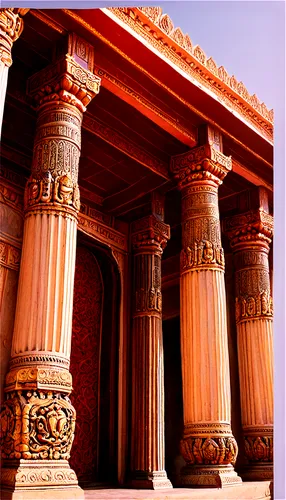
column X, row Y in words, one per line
column 85, row 362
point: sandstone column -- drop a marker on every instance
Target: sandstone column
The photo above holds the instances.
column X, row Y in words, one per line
column 38, row 419
column 208, row 445
column 149, row 237
column 250, row 235
column 11, row 27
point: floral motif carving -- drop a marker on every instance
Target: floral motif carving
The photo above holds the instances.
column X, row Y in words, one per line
column 37, row 425
column 209, row 450
column 259, row 448
column 253, row 306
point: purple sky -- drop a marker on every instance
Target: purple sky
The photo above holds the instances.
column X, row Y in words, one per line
column 246, row 37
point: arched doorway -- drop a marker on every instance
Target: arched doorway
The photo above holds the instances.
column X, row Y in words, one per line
column 93, row 365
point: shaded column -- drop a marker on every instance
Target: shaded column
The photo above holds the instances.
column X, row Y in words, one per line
column 11, row 27
column 250, row 235
column 38, row 418
column 208, row 445
column 149, row 237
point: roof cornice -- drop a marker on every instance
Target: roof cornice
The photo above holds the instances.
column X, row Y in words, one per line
column 159, row 31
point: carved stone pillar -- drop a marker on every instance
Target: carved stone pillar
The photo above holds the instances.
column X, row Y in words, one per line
column 38, row 420
column 11, row 27
column 149, row 237
column 208, row 445
column 250, row 235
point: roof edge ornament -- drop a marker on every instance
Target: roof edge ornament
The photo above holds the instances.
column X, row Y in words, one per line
column 164, row 23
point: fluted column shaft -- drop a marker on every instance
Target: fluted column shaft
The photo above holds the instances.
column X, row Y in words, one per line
column 38, row 382
column 250, row 235
column 147, row 446
column 11, row 27
column 208, row 445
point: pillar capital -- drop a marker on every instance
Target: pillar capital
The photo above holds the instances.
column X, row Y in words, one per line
column 149, row 235
column 204, row 163
column 65, row 81
column 244, row 230
column 11, row 27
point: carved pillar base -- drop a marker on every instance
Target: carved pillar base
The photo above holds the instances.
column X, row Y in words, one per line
column 255, row 472
column 155, row 480
column 19, row 475
column 218, row 476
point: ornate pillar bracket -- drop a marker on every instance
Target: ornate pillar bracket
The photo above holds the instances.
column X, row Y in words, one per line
column 11, row 27
column 149, row 238
column 38, row 417
column 208, row 445
column 250, row 234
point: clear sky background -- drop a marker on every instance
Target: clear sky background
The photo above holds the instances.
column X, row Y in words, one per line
column 246, row 37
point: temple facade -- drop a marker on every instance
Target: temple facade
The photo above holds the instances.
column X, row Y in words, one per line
column 136, row 260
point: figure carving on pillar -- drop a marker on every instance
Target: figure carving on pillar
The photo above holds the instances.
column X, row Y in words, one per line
column 207, row 446
column 250, row 236
column 38, row 417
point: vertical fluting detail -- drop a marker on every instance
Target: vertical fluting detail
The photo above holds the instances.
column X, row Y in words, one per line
column 37, row 410
column 11, row 27
column 208, row 445
column 250, row 235
column 149, row 237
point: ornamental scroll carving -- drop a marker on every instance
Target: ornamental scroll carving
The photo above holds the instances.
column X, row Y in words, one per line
column 37, row 425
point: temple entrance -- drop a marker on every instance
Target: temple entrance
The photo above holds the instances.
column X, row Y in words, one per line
column 93, row 366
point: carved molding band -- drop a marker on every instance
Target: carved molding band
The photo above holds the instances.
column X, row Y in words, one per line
column 51, row 378
column 37, row 474
column 39, row 357
column 37, row 425
column 254, row 307
column 103, row 233
column 259, row 448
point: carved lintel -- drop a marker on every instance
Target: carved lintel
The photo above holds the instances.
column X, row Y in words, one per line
column 204, row 163
column 11, row 27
